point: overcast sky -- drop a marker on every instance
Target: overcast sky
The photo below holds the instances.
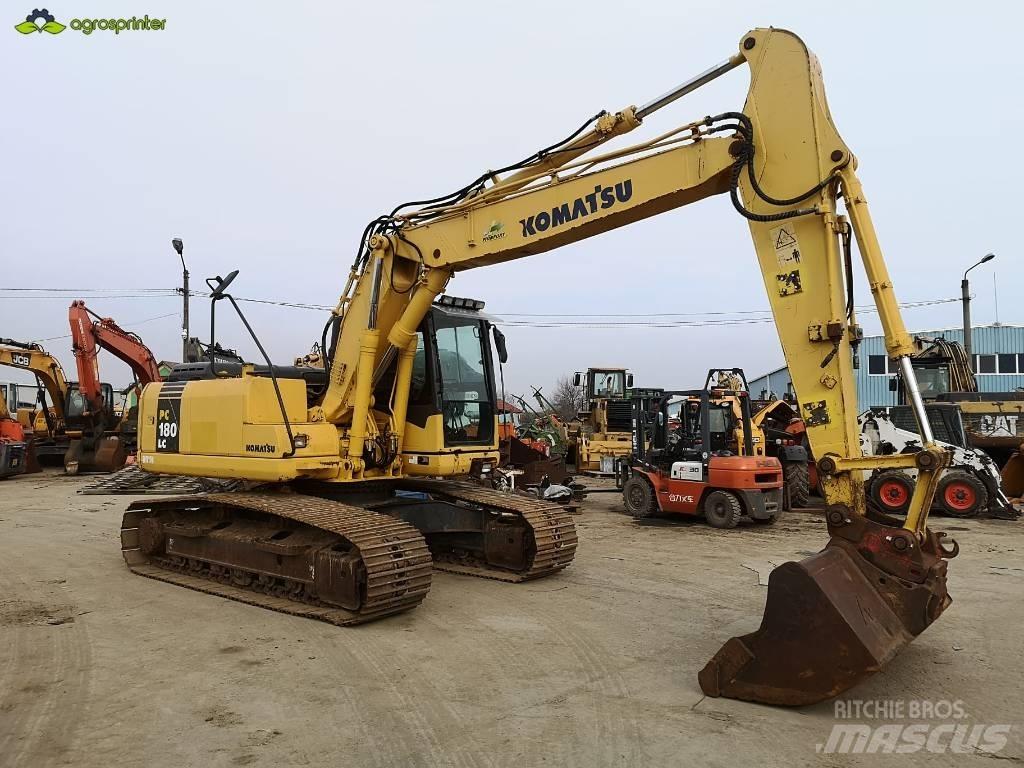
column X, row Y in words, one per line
column 267, row 135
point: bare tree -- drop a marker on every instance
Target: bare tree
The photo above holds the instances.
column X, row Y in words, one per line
column 567, row 398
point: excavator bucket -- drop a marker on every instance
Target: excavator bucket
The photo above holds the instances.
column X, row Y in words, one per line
column 835, row 618
column 1013, row 476
column 105, row 454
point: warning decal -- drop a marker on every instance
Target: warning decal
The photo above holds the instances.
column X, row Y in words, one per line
column 787, row 249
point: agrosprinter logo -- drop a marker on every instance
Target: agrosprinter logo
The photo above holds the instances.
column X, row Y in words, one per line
column 41, row 20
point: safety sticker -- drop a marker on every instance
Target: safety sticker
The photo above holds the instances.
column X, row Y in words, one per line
column 787, row 249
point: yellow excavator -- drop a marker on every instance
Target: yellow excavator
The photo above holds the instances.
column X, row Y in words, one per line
column 48, row 423
column 361, row 472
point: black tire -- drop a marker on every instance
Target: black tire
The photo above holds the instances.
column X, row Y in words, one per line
column 638, row 497
column 797, row 480
column 722, row 509
column 961, row 494
column 890, row 491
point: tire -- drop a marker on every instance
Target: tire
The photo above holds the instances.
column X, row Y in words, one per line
column 961, row 494
column 797, row 480
column 638, row 497
column 722, row 509
column 890, row 491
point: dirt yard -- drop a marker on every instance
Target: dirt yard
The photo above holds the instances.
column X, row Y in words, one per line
column 593, row 667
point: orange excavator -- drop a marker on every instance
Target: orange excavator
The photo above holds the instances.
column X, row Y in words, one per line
column 101, row 440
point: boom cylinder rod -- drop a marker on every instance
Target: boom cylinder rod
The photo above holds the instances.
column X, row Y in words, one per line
column 690, row 85
column 914, row 396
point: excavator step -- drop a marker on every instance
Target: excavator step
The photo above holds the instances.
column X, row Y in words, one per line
column 132, row 480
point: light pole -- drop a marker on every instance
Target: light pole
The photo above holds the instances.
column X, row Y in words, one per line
column 965, row 295
column 179, row 247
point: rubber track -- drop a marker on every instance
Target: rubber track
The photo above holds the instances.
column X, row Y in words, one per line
column 394, row 584
column 553, row 529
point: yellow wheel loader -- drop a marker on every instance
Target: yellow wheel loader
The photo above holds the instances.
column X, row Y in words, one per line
column 360, row 474
column 606, row 431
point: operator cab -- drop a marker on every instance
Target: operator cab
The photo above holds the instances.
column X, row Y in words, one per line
column 76, row 406
column 721, row 427
column 453, row 372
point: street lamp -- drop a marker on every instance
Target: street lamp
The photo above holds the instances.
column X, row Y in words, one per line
column 179, row 247
column 965, row 295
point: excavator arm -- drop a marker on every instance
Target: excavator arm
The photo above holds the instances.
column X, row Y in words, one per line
column 90, row 333
column 33, row 358
column 786, row 169
column 781, row 160
column 99, row 448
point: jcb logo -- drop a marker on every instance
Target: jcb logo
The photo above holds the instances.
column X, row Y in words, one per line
column 24, row 360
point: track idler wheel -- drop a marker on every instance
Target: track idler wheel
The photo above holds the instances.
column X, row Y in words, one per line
column 835, row 618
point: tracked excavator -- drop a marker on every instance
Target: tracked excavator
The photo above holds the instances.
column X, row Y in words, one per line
column 50, row 443
column 361, row 479
column 103, row 439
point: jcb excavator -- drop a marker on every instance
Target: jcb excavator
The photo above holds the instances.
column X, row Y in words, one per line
column 409, row 386
column 50, row 442
column 104, row 439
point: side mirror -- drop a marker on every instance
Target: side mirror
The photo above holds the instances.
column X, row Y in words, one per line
column 576, row 379
column 629, row 380
column 499, row 342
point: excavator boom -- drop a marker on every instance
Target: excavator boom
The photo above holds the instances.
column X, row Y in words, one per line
column 830, row 620
column 104, row 442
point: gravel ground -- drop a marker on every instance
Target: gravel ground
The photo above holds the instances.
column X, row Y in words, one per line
column 595, row 666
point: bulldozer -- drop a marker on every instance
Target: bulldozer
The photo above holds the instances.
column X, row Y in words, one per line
column 361, row 483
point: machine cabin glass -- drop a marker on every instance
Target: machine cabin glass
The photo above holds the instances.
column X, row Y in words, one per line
column 607, row 384
column 932, row 380
column 454, row 376
column 76, row 405
column 721, row 426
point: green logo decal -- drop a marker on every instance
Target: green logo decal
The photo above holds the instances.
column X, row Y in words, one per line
column 40, row 20
column 496, row 231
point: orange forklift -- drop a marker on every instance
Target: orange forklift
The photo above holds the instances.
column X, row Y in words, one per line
column 685, row 466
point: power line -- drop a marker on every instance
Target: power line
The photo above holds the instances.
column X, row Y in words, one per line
column 123, row 325
column 511, row 319
column 864, row 307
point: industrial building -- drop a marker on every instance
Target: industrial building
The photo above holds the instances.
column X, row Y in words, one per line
column 998, row 360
